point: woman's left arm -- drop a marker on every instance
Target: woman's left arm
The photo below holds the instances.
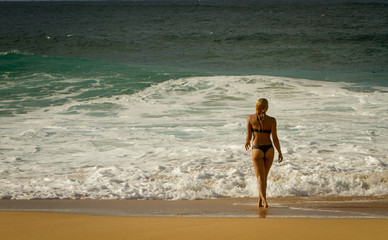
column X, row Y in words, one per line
column 276, row 140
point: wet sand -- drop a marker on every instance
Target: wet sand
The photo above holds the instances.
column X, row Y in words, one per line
column 287, row 207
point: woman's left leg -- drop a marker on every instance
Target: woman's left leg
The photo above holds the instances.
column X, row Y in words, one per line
column 268, row 160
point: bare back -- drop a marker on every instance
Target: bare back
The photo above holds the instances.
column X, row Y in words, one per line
column 260, row 138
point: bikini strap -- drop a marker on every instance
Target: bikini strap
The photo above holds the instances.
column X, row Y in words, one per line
column 261, row 130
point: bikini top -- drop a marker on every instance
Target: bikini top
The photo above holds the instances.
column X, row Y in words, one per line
column 261, row 130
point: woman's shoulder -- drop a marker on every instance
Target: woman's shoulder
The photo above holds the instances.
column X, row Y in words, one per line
column 272, row 119
column 252, row 119
column 252, row 116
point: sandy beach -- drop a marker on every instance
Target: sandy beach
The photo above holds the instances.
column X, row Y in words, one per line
column 28, row 225
column 288, row 218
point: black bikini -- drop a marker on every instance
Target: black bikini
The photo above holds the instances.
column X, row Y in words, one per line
column 261, row 130
column 263, row 148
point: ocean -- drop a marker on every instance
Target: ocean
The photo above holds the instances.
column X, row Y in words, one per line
column 148, row 100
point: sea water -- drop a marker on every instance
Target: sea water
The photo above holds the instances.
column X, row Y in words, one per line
column 149, row 100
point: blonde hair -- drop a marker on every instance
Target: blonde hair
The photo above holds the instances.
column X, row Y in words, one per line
column 261, row 109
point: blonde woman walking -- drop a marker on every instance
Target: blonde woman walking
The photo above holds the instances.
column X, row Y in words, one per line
column 261, row 127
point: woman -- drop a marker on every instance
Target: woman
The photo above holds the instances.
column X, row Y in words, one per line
column 261, row 127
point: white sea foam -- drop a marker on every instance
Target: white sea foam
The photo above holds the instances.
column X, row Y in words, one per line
column 184, row 139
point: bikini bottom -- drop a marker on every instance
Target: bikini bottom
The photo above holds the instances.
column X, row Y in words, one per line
column 263, row 148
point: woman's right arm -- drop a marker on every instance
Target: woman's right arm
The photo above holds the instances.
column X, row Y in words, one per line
column 276, row 141
column 249, row 134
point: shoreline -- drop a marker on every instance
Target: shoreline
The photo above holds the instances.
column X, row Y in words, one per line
column 280, row 207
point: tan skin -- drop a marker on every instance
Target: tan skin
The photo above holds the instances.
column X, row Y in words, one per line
column 262, row 162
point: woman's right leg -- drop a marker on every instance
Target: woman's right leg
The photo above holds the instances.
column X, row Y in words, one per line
column 259, row 166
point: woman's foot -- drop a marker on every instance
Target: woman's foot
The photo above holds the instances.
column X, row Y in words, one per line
column 262, row 204
column 259, row 203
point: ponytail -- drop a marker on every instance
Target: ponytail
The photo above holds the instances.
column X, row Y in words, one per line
column 261, row 109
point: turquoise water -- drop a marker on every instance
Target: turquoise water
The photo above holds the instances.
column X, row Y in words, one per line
column 30, row 81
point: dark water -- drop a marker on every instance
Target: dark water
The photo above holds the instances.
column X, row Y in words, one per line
column 310, row 39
